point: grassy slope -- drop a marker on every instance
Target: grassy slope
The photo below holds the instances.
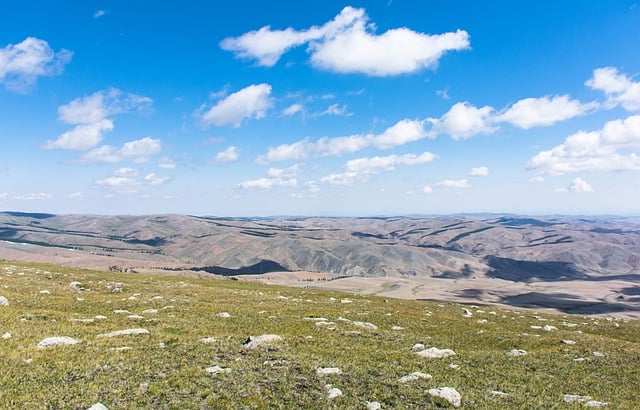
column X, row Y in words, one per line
column 166, row 369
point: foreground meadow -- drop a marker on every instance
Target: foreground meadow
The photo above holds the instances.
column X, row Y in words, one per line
column 187, row 348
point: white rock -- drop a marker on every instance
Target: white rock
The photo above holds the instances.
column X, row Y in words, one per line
column 76, row 285
column 316, row 319
column 323, row 371
column 598, row 354
column 396, row 328
column 346, row 301
column 207, row 340
column 536, row 327
column 517, row 352
column 4, row 301
column 417, row 347
column 448, row 393
column 217, row 370
column 499, row 393
column 548, row 328
column 98, row 406
column 434, row 353
column 333, row 393
column 414, row 376
column 125, row 332
column 100, row 317
column 575, row 398
column 57, row 340
column 467, row 313
column 150, row 311
column 365, row 325
column 481, row 321
column 223, row 314
column 82, row 320
column 568, row 342
column 45, row 292
column 454, row 366
column 135, row 317
column 121, row 311
column 594, row 403
column 255, row 342
column 6, row 336
column 373, row 405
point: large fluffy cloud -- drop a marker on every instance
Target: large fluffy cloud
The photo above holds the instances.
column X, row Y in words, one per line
column 21, row 64
column 276, row 177
column 544, row 111
column 618, row 88
column 90, row 115
column 605, row 150
column 250, row 102
column 463, row 121
column 348, row 44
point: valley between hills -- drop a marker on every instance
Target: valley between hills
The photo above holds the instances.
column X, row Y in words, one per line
column 576, row 265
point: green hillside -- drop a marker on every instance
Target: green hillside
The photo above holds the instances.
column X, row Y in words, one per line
column 369, row 339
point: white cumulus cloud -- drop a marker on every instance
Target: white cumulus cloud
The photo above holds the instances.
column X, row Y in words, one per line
column 250, row 102
column 293, row 109
column 362, row 169
column 349, row 44
column 139, row 151
column 580, row 185
column 21, row 64
column 276, row 177
column 81, row 137
column 230, row 154
column 130, row 181
column 463, row 121
column 544, row 111
column 618, row 88
column 601, row 150
column 402, row 132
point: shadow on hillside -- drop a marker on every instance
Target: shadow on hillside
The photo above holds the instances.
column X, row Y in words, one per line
column 264, row 266
column 566, row 303
column 522, row 271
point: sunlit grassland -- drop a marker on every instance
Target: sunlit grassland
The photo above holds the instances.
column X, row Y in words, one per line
column 166, row 369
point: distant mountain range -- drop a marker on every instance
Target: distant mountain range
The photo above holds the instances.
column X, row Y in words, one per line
column 508, row 247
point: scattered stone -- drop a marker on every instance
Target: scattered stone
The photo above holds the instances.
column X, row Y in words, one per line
column 121, row 348
column 4, row 301
column 98, row 406
column 548, row 328
column 282, row 298
column 454, row 366
column 121, row 311
column 125, row 332
column 346, row 300
column 45, row 292
column 373, row 405
column 417, row 347
column 467, row 313
column 575, row 398
column 579, row 359
column 77, row 286
column 517, row 352
column 135, row 317
column 594, row 403
column 333, row 392
column 536, row 327
column 316, row 319
column 434, row 353
column 100, row 317
column 396, row 328
column 568, row 342
column 598, row 354
column 150, row 311
column 323, row 371
column 499, row 393
column 481, row 321
column 447, row 393
column 365, row 325
column 207, row 340
column 255, row 342
column 158, row 297
column 322, row 323
column 414, row 376
column 84, row 320
column 57, row 340
column 223, row 314
column 6, row 336
column 217, row 370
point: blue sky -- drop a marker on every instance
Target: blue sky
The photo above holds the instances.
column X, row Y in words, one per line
column 355, row 108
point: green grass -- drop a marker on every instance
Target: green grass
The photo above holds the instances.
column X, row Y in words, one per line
column 166, row 369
